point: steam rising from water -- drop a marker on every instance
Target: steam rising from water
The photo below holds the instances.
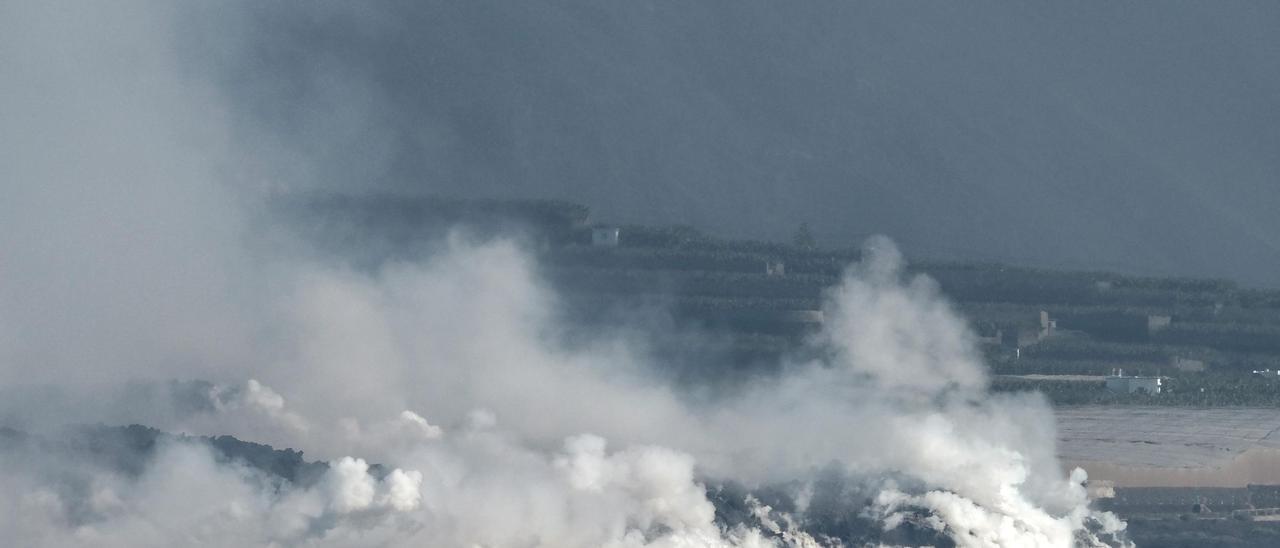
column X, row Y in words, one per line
column 128, row 259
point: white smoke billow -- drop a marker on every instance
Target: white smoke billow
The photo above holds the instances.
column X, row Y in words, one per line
column 448, row 407
column 983, row 467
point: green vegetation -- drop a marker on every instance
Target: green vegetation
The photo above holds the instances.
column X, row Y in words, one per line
column 1216, row 334
column 1206, row 335
column 1203, row 390
column 1193, row 532
column 804, row 238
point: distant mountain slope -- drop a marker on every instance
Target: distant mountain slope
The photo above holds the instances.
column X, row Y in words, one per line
column 130, row 449
column 1081, row 135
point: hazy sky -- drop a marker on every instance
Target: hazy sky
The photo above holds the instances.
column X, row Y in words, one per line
column 1086, row 134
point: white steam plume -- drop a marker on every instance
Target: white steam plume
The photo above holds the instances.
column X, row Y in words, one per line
column 985, row 463
column 127, row 256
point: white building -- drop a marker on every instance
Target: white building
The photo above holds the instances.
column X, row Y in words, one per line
column 1158, row 322
column 606, row 236
column 1129, row 385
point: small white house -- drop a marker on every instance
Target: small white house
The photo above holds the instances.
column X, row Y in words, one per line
column 1129, row 385
column 606, row 236
column 1158, row 322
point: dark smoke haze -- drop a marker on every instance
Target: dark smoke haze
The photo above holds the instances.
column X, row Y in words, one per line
column 1082, row 135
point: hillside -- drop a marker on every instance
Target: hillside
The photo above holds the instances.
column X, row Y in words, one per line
column 1058, row 331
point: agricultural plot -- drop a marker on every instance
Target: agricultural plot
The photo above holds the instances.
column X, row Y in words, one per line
column 1164, row 437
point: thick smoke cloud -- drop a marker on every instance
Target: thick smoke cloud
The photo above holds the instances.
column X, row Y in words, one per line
column 450, row 408
column 114, row 201
column 981, row 467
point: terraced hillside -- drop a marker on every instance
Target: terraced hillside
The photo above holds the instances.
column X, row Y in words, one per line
column 1045, row 330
